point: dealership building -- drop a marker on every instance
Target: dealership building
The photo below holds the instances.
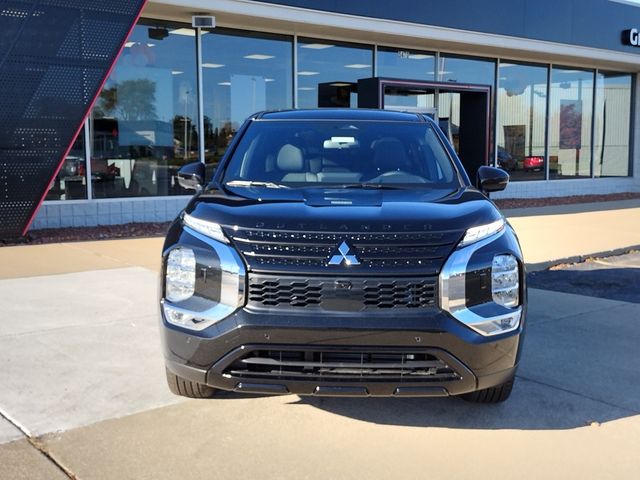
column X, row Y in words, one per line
column 545, row 89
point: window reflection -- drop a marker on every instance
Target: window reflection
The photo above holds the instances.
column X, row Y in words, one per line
column 328, row 72
column 71, row 181
column 466, row 70
column 144, row 124
column 570, row 114
column 522, row 99
column 613, row 115
column 405, row 64
column 242, row 74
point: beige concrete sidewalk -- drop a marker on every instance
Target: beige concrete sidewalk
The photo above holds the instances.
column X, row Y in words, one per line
column 547, row 234
column 558, row 232
column 55, row 258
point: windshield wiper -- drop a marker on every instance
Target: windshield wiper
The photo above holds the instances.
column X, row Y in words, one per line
column 371, row 186
column 251, row 183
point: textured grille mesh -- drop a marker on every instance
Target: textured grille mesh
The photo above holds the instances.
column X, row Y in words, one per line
column 352, row 294
column 54, row 55
column 272, row 293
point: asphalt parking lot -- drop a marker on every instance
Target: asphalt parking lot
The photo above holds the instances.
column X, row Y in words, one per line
column 83, row 392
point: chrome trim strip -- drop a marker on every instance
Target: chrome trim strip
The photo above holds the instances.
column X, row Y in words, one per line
column 199, row 320
column 473, row 321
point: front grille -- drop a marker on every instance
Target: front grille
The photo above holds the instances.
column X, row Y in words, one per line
column 343, row 294
column 287, row 251
column 272, row 293
column 336, row 365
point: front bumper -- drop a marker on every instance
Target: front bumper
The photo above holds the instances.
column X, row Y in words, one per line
column 211, row 356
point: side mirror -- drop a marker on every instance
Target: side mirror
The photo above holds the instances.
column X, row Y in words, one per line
column 191, row 176
column 491, row 179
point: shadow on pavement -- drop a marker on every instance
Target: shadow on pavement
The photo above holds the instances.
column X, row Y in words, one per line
column 532, row 406
column 611, row 283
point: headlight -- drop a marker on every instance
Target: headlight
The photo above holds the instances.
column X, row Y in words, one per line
column 204, row 281
column 180, row 278
column 488, row 312
column 475, row 234
column 505, row 280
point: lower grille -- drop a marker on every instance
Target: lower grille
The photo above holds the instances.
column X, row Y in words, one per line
column 335, row 365
column 348, row 294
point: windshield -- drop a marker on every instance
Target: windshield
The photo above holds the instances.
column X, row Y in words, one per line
column 368, row 154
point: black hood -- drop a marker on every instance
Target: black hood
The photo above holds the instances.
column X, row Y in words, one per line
column 390, row 231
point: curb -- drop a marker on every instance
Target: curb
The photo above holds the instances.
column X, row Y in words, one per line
column 536, row 267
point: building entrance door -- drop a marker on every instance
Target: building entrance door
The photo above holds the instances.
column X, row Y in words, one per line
column 462, row 111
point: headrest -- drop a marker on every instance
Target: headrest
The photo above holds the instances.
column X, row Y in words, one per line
column 389, row 154
column 290, row 158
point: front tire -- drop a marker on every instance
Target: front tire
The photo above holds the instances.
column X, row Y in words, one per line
column 187, row 388
column 496, row 394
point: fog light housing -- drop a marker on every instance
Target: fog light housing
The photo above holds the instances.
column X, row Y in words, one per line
column 180, row 277
column 495, row 325
column 177, row 316
column 505, row 280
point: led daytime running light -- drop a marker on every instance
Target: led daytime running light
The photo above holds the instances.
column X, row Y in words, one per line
column 481, row 232
column 210, row 229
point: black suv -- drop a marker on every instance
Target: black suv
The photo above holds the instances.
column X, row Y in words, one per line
column 342, row 252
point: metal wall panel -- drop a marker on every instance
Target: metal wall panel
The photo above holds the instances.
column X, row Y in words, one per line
column 589, row 23
column 54, row 57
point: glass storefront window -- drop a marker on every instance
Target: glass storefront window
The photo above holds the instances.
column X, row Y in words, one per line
column 466, row 70
column 570, row 115
column 328, row 72
column 613, row 119
column 243, row 73
column 144, row 124
column 71, row 181
column 405, row 64
column 522, row 105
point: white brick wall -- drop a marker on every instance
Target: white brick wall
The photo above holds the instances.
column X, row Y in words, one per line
column 566, row 188
column 85, row 213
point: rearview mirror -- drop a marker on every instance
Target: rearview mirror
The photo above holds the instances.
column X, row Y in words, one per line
column 191, row 176
column 491, row 179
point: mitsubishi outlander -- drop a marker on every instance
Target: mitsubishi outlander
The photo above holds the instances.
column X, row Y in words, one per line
column 342, row 252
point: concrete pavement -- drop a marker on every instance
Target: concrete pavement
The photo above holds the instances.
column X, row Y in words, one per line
column 80, row 347
column 8, row 432
column 82, row 376
column 576, row 403
column 20, row 460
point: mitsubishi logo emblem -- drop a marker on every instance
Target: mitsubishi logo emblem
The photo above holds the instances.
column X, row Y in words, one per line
column 344, row 255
